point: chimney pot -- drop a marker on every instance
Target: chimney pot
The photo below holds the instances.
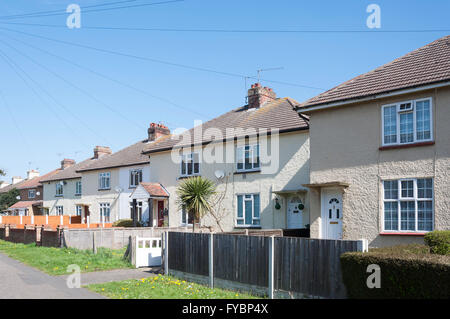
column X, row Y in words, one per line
column 32, row 174
column 67, row 162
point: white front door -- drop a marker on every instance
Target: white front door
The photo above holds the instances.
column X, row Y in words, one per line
column 331, row 214
column 294, row 214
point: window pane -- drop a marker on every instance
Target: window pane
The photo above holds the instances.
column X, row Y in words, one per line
column 390, row 125
column 256, row 156
column 424, row 215
column 425, row 188
column 406, row 128
column 239, row 206
column 407, row 217
column 248, row 212
column 183, row 167
column 240, row 157
column 391, row 215
column 407, row 189
column 390, row 189
column 256, row 209
column 423, row 120
column 248, row 158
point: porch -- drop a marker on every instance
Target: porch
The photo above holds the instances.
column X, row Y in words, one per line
column 150, row 205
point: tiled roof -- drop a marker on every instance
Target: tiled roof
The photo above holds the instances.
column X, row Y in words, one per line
column 427, row 65
column 131, row 155
column 155, row 189
column 25, row 204
column 12, row 186
column 35, row 182
column 68, row 173
column 279, row 114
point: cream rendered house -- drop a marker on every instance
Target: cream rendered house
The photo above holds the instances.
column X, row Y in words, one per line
column 380, row 151
column 254, row 190
column 109, row 181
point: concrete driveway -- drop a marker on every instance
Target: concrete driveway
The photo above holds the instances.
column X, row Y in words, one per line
column 18, row 281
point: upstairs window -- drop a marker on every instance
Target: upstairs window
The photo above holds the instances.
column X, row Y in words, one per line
column 78, row 188
column 247, row 158
column 59, row 189
column 31, row 193
column 407, row 122
column 190, row 164
column 135, row 177
column 104, row 180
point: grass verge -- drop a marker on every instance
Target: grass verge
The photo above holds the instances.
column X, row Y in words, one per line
column 163, row 287
column 54, row 261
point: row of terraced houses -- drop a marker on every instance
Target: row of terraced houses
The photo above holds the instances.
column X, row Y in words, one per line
column 369, row 158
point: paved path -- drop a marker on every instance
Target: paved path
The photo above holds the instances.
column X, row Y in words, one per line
column 115, row 275
column 20, row 281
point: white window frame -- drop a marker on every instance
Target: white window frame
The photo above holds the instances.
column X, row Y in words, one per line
column 240, row 150
column 398, row 112
column 58, row 185
column 400, row 199
column 184, row 212
column 243, row 211
column 103, row 177
column 79, row 210
column 59, row 210
column 103, row 207
column 184, row 160
column 32, row 191
column 78, row 189
column 132, row 177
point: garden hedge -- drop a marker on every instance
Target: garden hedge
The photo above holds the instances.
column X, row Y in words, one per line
column 403, row 275
column 125, row 223
column 439, row 241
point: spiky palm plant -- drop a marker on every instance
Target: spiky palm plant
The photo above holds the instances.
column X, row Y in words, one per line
column 194, row 194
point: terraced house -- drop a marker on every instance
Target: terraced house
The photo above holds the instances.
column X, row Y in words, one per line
column 259, row 171
column 380, row 151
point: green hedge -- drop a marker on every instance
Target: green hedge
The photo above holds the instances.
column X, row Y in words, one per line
column 125, row 223
column 407, row 274
column 439, row 241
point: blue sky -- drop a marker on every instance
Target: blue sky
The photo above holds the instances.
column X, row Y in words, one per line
column 37, row 132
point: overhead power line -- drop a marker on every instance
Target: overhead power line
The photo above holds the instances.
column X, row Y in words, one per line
column 148, row 59
column 158, row 29
column 63, row 12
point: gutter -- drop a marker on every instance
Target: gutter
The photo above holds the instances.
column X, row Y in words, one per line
column 372, row 97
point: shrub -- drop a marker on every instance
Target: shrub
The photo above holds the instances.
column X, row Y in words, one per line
column 439, row 241
column 406, row 272
column 125, row 223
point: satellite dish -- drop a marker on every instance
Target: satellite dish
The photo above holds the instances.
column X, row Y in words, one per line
column 118, row 189
column 219, row 174
column 18, row 197
column 61, row 183
column 38, row 193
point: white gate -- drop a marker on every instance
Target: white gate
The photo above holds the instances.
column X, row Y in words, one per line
column 148, row 252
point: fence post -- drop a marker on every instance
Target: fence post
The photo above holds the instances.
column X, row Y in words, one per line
column 211, row 260
column 271, row 265
column 32, row 219
column 363, row 245
column 1, row 219
column 61, row 220
column 46, row 219
column 21, row 220
column 166, row 253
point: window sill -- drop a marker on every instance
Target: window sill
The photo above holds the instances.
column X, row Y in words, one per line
column 399, row 146
column 77, row 194
column 59, row 195
column 247, row 227
column 403, row 234
column 247, row 172
column 104, row 189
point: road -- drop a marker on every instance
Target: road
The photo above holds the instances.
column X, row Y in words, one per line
column 18, row 281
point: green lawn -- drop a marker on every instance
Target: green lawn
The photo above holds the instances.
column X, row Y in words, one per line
column 163, row 287
column 54, row 261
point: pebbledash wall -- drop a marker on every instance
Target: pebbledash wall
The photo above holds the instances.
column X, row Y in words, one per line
column 345, row 147
column 68, row 200
column 293, row 171
column 119, row 201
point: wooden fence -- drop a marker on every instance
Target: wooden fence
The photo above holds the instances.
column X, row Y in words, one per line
column 50, row 221
column 275, row 266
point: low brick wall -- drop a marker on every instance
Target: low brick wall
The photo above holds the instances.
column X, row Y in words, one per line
column 31, row 234
column 2, row 232
column 16, row 235
column 50, row 238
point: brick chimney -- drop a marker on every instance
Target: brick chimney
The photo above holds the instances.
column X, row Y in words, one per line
column 258, row 96
column 67, row 162
column 32, row 174
column 155, row 131
column 100, row 151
